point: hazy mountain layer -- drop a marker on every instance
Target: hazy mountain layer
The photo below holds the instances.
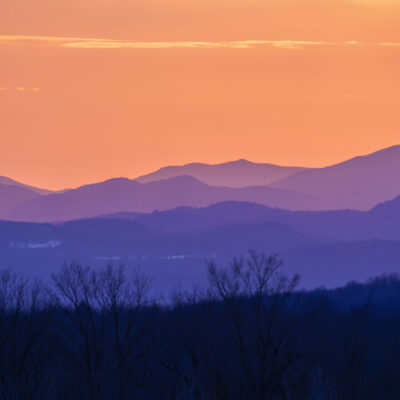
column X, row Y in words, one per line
column 239, row 173
column 118, row 195
column 7, row 181
column 381, row 222
column 12, row 196
column 325, row 248
column 359, row 183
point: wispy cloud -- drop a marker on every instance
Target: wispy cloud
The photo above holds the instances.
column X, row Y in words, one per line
column 390, row 44
column 241, row 44
column 20, row 89
column 13, row 39
column 91, row 43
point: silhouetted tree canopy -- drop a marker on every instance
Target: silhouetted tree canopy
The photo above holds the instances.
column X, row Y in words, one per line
column 95, row 334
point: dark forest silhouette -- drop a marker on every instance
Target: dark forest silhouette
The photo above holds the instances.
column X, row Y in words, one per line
column 95, row 334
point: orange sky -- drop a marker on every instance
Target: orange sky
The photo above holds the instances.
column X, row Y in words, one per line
column 122, row 87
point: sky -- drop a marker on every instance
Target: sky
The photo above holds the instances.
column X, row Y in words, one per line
column 91, row 90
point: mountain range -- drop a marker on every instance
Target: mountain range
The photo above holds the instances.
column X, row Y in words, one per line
column 379, row 223
column 240, row 173
column 127, row 195
column 330, row 225
column 326, row 248
column 359, row 184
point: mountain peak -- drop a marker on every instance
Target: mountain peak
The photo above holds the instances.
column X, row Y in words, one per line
column 243, row 161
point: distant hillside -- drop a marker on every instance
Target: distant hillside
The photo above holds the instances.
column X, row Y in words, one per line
column 7, row 181
column 379, row 223
column 359, row 183
column 170, row 259
column 239, row 173
column 12, row 196
column 121, row 195
column 180, row 258
column 100, row 238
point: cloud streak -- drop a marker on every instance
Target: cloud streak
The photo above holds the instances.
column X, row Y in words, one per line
column 390, row 44
column 91, row 43
column 20, row 89
column 244, row 44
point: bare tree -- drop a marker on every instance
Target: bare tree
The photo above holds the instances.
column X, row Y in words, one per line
column 23, row 373
column 80, row 339
column 260, row 304
column 124, row 300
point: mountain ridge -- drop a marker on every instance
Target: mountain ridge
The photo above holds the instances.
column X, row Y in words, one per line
column 128, row 195
column 4, row 180
column 238, row 173
column 359, row 183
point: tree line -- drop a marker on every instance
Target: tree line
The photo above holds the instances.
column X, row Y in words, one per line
column 95, row 334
